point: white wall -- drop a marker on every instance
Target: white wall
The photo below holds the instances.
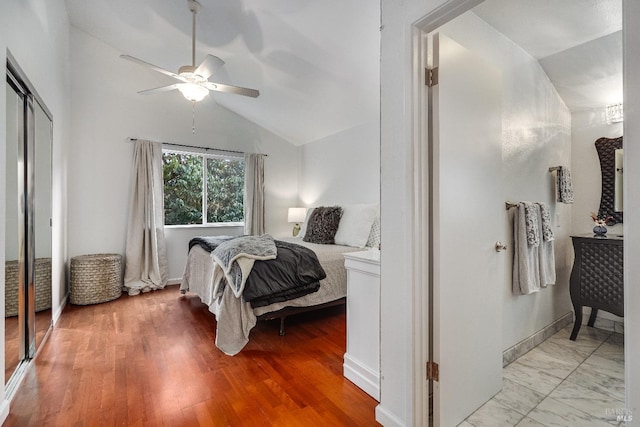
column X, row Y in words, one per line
column 536, row 134
column 343, row 168
column 37, row 34
column 106, row 110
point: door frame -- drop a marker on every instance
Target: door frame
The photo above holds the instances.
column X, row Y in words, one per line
column 420, row 195
column 421, row 222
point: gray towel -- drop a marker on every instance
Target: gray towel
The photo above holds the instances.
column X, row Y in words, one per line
column 564, row 186
column 545, row 216
column 533, row 265
column 526, row 267
column 546, row 256
column 531, row 221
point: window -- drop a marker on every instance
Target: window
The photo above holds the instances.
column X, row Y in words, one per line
column 195, row 183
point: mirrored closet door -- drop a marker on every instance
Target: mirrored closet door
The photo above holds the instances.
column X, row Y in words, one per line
column 27, row 223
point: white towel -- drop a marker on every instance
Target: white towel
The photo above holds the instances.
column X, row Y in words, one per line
column 546, row 256
column 564, row 186
column 526, row 265
column 533, row 266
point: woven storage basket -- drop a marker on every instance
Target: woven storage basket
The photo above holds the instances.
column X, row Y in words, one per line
column 95, row 278
column 43, row 286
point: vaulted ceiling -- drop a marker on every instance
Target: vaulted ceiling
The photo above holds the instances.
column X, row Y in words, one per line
column 316, row 63
column 577, row 42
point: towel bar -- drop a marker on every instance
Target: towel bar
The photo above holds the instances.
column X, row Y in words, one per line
column 509, row 205
column 554, row 168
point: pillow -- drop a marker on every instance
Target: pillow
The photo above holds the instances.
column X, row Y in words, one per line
column 303, row 226
column 323, row 224
column 374, row 236
column 355, row 225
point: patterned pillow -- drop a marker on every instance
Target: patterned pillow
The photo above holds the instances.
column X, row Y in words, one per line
column 374, row 235
column 323, row 224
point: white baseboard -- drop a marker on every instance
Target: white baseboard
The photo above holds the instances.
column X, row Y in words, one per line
column 362, row 376
column 177, row 281
column 387, row 418
column 4, row 411
column 512, row 353
column 58, row 312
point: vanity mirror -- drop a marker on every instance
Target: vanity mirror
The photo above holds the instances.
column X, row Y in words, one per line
column 607, row 149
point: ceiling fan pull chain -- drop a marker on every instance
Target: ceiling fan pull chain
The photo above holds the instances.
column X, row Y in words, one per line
column 193, row 119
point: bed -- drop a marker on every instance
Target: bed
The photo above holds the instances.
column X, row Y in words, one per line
column 235, row 317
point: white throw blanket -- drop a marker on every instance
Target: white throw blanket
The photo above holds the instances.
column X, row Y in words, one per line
column 233, row 262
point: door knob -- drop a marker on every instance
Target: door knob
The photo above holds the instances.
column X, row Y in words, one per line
column 500, row 247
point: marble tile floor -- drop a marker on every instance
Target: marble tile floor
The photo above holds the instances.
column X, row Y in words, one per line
column 561, row 383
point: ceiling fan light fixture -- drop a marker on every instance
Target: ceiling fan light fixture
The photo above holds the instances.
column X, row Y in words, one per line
column 193, row 92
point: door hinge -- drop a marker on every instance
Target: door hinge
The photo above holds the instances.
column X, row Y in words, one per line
column 431, row 76
column 433, row 371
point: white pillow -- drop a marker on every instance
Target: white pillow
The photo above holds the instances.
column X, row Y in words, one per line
column 355, row 225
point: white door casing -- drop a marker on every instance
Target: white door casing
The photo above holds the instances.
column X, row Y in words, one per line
column 467, row 215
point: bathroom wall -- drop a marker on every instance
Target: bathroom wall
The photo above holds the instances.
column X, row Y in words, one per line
column 536, row 134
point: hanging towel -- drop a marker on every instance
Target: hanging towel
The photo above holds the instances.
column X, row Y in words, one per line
column 564, row 187
column 546, row 256
column 532, row 226
column 526, row 265
column 545, row 216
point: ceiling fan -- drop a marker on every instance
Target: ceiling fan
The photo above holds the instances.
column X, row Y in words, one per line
column 194, row 81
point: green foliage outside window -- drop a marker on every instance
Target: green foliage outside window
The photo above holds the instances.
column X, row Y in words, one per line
column 183, row 189
column 225, row 190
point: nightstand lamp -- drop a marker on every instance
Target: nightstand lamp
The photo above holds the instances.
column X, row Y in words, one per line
column 296, row 215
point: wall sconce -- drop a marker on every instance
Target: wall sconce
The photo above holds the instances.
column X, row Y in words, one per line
column 615, row 113
column 296, row 215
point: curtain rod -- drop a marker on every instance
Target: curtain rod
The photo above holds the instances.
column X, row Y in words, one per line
column 194, row 146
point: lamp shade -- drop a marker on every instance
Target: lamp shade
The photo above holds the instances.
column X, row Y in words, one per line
column 193, row 92
column 297, row 214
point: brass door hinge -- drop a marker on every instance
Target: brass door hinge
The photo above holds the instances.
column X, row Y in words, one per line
column 431, row 76
column 433, row 371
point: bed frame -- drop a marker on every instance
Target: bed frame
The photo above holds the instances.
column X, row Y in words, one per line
column 283, row 313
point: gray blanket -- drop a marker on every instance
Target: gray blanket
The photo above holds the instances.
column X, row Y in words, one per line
column 234, row 261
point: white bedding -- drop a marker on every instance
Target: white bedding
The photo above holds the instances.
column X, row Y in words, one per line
column 235, row 318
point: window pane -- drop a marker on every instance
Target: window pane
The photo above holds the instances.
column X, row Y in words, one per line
column 182, row 188
column 225, row 190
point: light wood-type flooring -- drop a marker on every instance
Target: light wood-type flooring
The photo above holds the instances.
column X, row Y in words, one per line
column 150, row 360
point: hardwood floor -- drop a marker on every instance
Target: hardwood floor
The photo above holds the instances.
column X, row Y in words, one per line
column 151, row 360
column 12, row 339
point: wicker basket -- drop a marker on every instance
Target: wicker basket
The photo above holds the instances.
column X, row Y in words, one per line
column 43, row 286
column 95, row 278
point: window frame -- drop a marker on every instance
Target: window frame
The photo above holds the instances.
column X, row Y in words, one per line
column 204, row 155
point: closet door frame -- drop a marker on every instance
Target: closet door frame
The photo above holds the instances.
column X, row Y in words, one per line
column 26, row 221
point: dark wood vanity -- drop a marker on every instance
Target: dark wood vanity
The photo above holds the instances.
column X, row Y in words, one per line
column 597, row 277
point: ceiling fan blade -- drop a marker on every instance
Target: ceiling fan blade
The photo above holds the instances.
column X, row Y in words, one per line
column 209, row 66
column 160, row 89
column 253, row 93
column 153, row 67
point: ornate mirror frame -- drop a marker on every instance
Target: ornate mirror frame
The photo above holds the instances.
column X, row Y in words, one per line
column 606, row 148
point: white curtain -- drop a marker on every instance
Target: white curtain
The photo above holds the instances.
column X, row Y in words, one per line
column 254, row 194
column 146, row 256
